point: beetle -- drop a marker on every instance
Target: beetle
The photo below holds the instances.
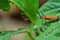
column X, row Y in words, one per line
column 50, row 17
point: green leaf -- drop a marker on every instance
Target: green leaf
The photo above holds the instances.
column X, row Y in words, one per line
column 6, row 35
column 51, row 33
column 29, row 7
column 4, row 4
column 50, row 6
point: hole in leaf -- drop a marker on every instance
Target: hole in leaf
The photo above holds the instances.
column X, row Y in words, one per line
column 57, row 34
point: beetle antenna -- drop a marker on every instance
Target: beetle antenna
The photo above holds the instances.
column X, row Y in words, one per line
column 40, row 14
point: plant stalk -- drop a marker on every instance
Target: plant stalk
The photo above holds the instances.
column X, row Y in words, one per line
column 30, row 36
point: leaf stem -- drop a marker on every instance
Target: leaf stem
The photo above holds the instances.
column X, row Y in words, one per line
column 30, row 35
